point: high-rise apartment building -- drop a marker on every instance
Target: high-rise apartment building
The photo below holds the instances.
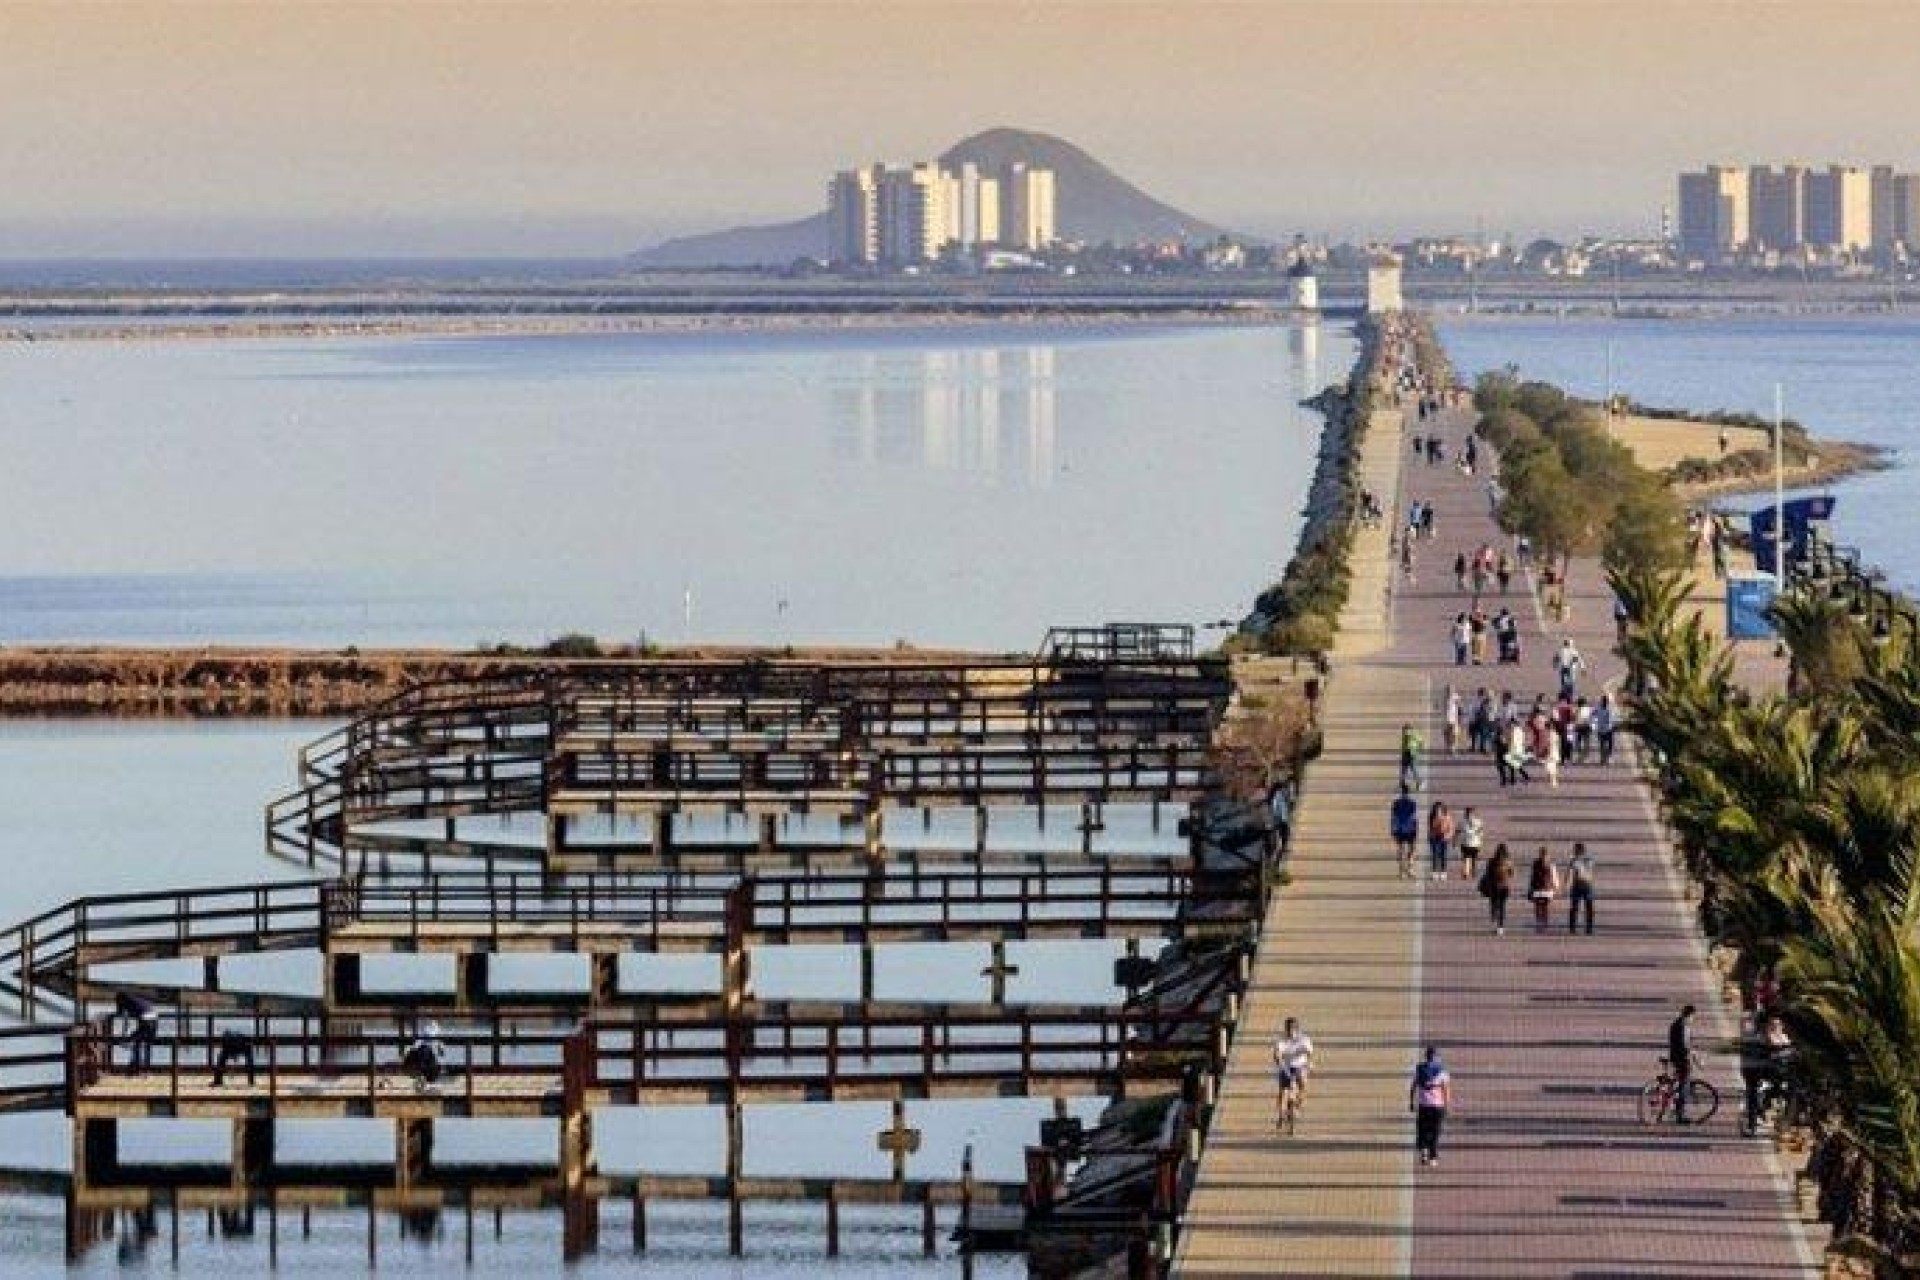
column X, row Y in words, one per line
column 914, row 214
column 1713, row 213
column 1906, row 210
column 976, row 207
column 1840, row 209
column 1777, row 207
column 903, row 217
column 853, row 217
column 1028, row 212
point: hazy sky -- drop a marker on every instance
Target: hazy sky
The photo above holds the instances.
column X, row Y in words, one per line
column 578, row 127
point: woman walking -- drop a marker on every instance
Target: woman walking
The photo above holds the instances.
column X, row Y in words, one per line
column 1440, row 830
column 1496, row 886
column 1429, row 1097
column 1472, row 833
column 1543, row 886
column 1450, row 721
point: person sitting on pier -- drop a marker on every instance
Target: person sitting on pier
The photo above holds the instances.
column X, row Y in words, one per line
column 425, row 1057
column 146, row 1027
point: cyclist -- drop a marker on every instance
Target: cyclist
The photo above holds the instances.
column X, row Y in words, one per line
column 1292, row 1061
column 1680, row 1059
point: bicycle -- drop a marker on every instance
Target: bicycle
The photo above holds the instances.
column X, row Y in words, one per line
column 1659, row 1100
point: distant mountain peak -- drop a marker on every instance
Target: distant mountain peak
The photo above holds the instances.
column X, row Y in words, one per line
column 1095, row 205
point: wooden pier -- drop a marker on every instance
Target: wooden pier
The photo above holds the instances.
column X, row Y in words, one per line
column 1102, row 717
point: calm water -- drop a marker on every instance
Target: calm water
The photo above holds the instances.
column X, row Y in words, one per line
column 965, row 486
column 1854, row 379
column 100, row 807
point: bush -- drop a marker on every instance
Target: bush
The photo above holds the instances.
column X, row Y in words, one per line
column 573, row 645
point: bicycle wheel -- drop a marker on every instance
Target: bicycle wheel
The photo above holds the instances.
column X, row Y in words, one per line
column 1702, row 1101
column 1654, row 1101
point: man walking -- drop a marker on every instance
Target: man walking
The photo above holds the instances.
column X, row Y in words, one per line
column 1580, row 888
column 1403, row 823
column 1428, row 1098
column 1569, row 664
column 1413, row 749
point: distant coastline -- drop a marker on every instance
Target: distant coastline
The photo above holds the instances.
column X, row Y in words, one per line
column 109, row 329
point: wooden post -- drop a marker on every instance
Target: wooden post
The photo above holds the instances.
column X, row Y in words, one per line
column 736, row 1225
column 413, row 1150
column 833, row 1225
column 252, row 1151
column 980, row 830
column 997, row 972
column 899, row 1141
column 471, row 974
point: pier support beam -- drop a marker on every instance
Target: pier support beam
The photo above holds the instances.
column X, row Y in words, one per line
column 96, row 1152
column 412, row 1150
column 342, row 976
column 252, row 1151
column 663, row 833
column 472, row 980
column 604, row 979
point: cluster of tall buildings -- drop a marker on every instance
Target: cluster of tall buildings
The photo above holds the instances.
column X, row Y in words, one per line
column 1729, row 213
column 878, row 216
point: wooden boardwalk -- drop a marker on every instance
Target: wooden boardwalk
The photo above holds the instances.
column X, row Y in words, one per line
column 1545, row 1171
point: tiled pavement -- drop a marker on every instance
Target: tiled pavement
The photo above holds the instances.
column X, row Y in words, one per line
column 1545, row 1171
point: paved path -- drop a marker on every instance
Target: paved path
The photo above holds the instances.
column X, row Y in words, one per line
column 1545, row 1170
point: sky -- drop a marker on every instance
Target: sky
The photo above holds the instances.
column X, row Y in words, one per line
column 582, row 128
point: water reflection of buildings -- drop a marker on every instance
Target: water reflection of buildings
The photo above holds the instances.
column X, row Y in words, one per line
column 990, row 411
column 1303, row 344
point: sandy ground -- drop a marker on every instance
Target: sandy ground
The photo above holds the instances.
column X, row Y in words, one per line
column 1659, row 443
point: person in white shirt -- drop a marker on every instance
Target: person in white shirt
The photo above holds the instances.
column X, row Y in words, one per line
column 1292, row 1063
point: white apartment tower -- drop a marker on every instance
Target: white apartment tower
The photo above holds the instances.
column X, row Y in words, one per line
column 976, row 207
column 853, row 217
column 1028, row 213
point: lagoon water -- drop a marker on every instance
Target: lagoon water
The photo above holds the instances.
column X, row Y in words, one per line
column 963, row 485
column 955, row 486
column 1846, row 378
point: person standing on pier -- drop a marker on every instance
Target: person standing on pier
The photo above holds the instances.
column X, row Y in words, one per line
column 1429, row 1098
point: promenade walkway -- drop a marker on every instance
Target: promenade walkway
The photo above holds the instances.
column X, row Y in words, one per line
column 1545, row 1170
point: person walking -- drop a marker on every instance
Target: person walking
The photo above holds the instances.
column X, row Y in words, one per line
column 1429, row 1097
column 1451, row 716
column 145, row 1031
column 1280, row 815
column 1569, row 665
column 1460, row 572
column 1473, row 834
column 1496, row 886
column 1440, row 830
column 1606, row 722
column 1503, row 572
column 1292, row 1062
column 1403, row 824
column 1580, row 888
column 1543, row 886
column 1413, row 751
column 1462, row 639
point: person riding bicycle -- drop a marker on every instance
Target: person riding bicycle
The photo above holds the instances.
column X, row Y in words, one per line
column 1765, row 1051
column 1292, row 1061
column 1680, row 1059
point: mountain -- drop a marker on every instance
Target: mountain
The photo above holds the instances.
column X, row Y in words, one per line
column 1095, row 204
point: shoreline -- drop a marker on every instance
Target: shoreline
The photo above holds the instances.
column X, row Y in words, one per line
column 86, row 681
column 117, row 329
